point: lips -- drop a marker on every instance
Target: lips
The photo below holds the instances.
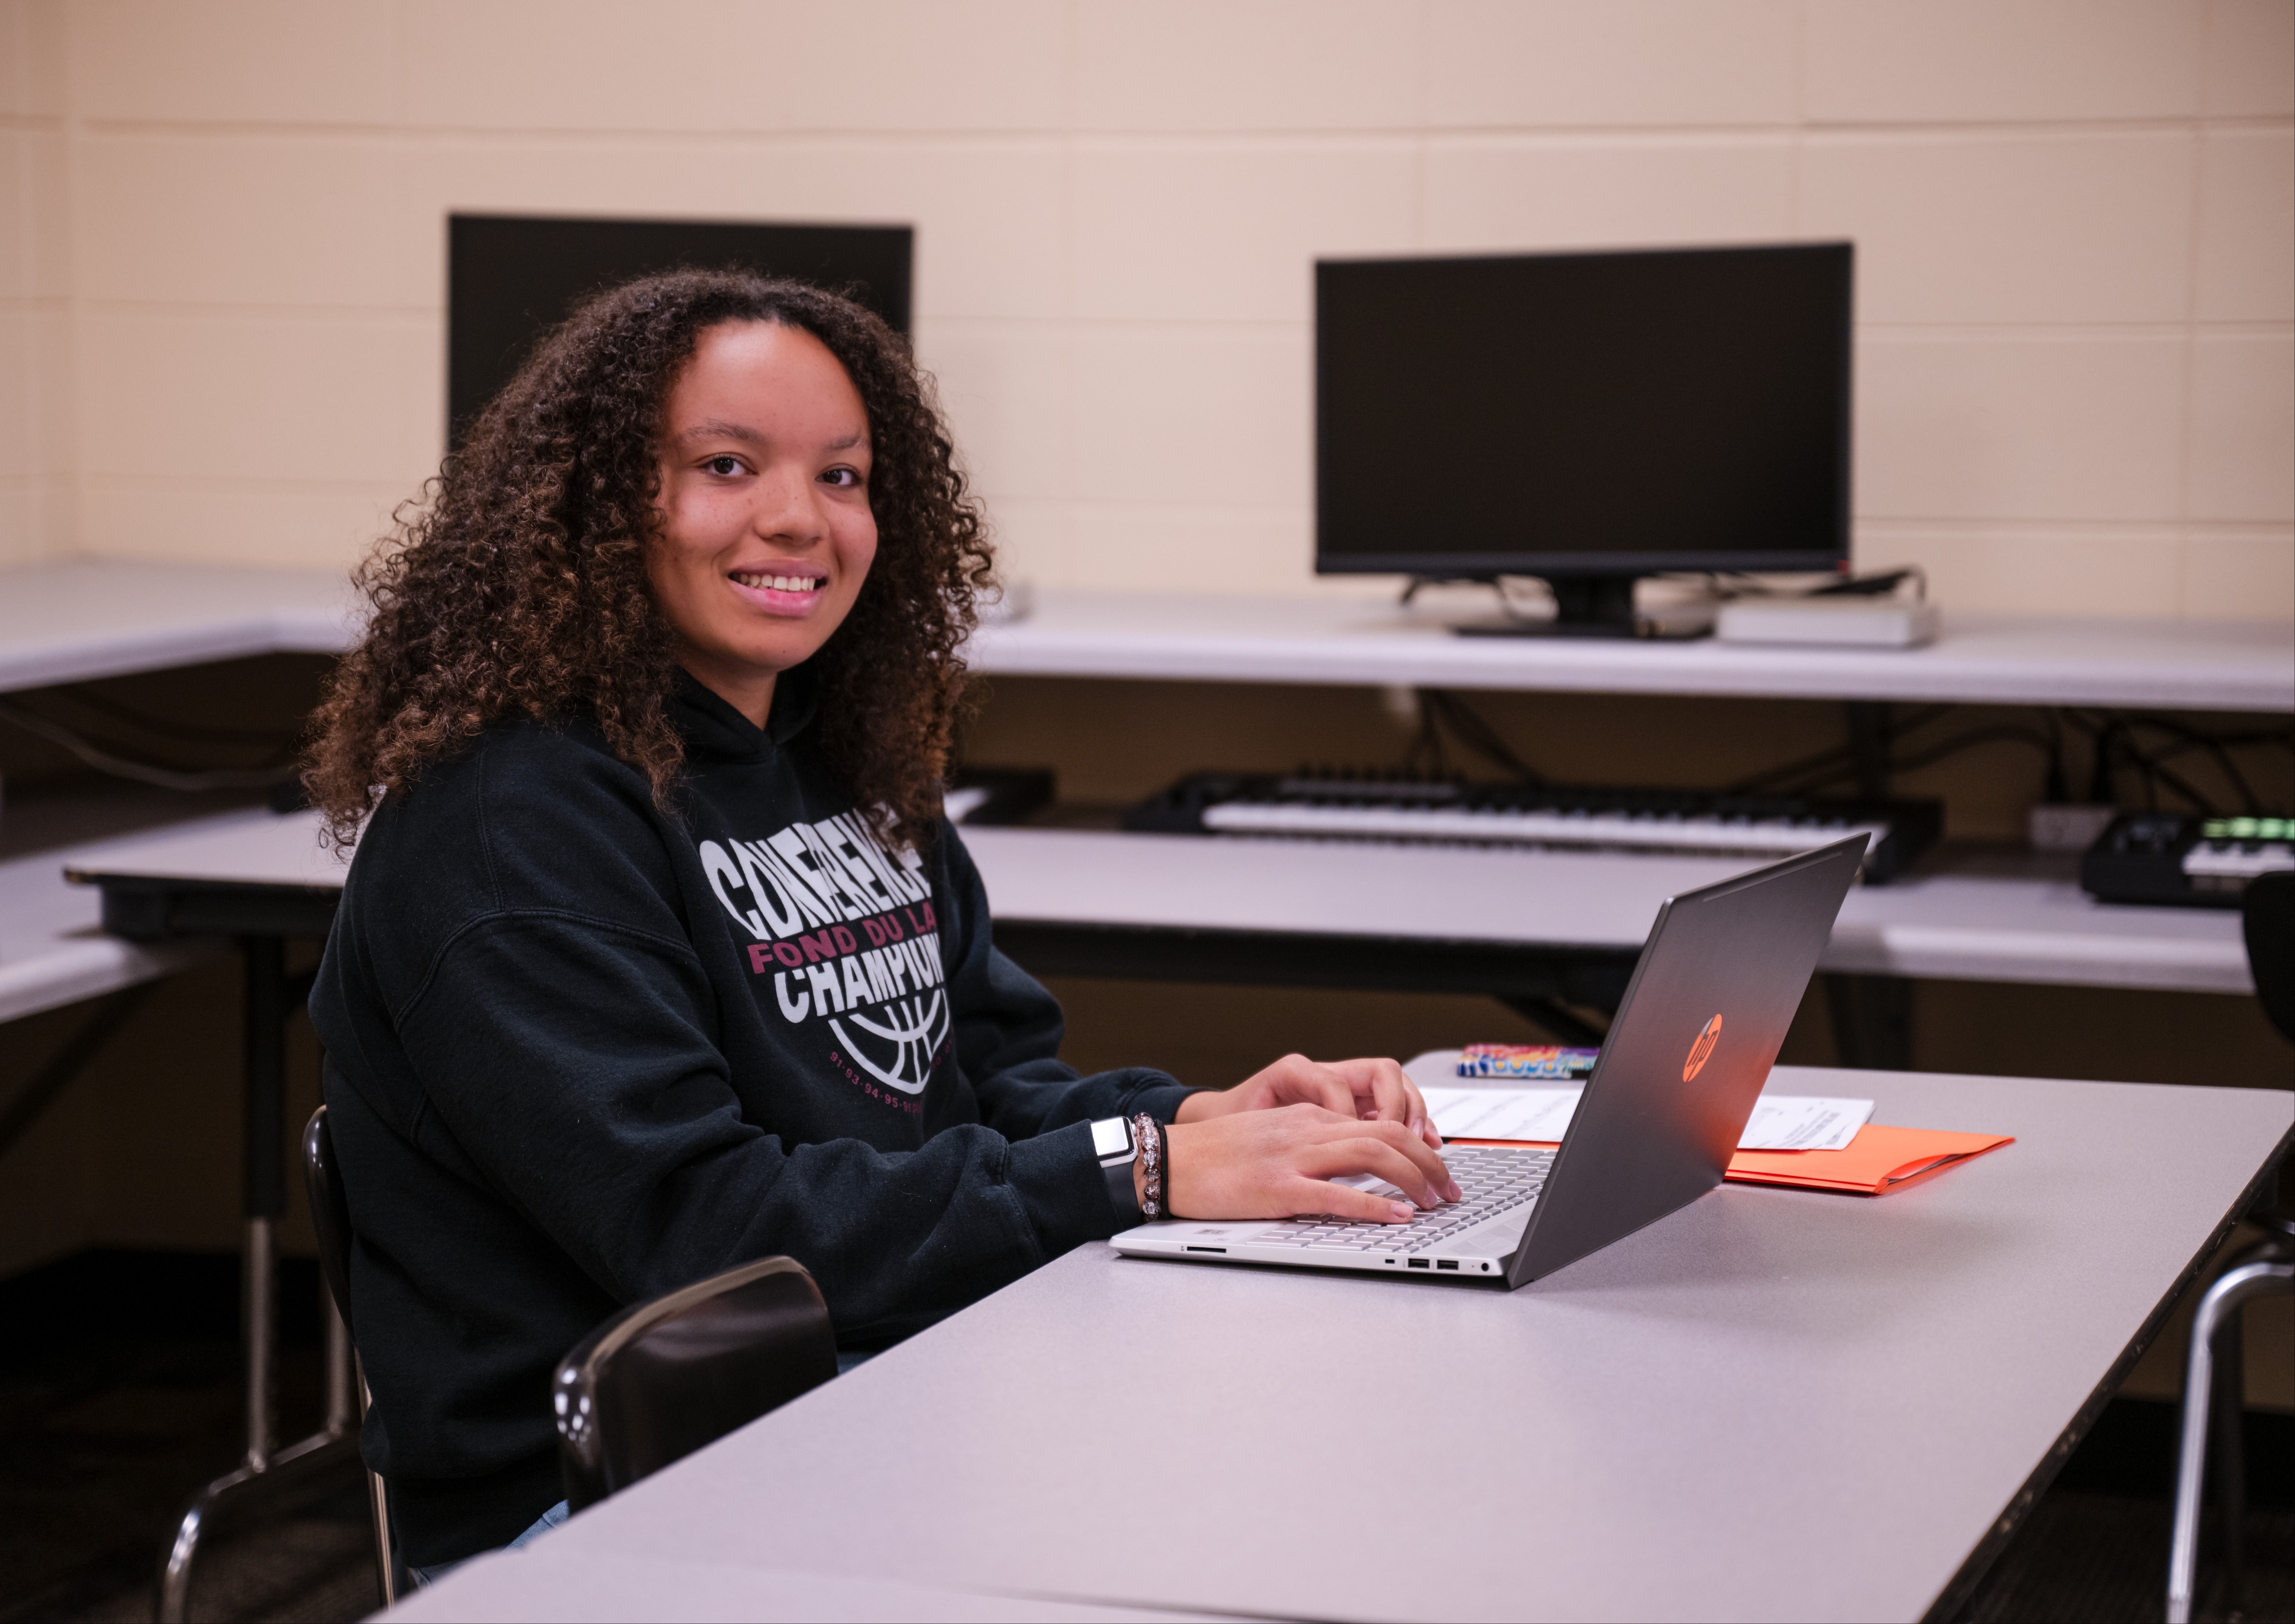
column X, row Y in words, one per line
column 792, row 582
column 789, row 594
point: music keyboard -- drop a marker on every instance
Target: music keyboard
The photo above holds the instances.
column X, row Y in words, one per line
column 2193, row 862
column 1759, row 829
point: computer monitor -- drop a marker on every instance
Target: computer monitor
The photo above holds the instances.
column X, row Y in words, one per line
column 1586, row 418
column 510, row 278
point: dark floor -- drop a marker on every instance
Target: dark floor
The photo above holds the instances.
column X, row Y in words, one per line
column 119, row 1396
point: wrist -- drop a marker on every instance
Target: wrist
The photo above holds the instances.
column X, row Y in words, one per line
column 1204, row 1104
column 1181, row 1148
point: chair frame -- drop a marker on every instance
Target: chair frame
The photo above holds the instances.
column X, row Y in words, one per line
column 2263, row 1269
column 331, row 1217
column 575, row 1396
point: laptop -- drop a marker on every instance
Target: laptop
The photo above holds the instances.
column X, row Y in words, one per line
column 1700, row 1026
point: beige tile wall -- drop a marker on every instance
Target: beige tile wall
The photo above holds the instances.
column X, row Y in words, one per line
column 36, row 520
column 220, row 305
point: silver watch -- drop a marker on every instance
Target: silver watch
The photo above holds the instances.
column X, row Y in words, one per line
column 1113, row 1142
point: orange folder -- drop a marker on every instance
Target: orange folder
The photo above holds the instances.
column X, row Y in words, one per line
column 1877, row 1161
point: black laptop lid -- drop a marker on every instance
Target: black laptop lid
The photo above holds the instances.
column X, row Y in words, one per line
column 1700, row 1025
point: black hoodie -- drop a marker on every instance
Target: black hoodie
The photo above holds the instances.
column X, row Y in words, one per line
column 581, row 1053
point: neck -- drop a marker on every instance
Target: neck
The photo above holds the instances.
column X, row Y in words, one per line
column 746, row 691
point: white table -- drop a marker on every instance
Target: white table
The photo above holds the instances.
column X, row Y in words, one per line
column 52, row 948
column 74, row 620
column 562, row 1584
column 1965, row 927
column 70, row 621
column 1980, row 659
column 1774, row 1404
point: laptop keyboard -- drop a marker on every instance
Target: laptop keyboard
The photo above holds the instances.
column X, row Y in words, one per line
column 1492, row 1179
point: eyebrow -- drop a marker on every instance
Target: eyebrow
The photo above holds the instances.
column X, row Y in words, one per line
column 717, row 428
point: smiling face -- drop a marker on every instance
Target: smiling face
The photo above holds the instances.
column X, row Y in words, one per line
column 767, row 533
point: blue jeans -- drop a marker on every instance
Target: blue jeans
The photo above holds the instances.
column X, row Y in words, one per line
column 559, row 1513
column 543, row 1524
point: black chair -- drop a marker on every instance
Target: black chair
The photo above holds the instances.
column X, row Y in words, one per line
column 659, row 1381
column 2214, row 1376
column 331, row 1217
column 2267, row 910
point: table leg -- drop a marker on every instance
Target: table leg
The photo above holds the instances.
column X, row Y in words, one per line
column 267, row 1471
column 1872, row 1018
column 262, row 1181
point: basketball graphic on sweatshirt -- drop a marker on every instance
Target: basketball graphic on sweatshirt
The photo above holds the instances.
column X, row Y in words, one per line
column 845, row 928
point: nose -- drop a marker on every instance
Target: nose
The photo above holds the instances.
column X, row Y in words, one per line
column 787, row 511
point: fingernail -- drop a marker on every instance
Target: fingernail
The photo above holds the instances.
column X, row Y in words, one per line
column 1403, row 1213
column 1456, row 1193
column 1418, row 1127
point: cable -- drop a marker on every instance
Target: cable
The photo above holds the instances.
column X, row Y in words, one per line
column 1834, row 756
column 1476, row 733
column 2249, row 802
column 158, row 728
column 2006, row 732
column 142, row 772
column 2115, row 741
column 2218, row 746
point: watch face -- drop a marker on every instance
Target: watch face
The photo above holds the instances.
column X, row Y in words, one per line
column 1111, row 1136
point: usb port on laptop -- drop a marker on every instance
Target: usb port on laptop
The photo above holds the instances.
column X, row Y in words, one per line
column 1445, row 1262
column 1420, row 1263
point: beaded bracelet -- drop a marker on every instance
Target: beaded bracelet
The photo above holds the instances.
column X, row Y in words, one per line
column 1164, row 1172
column 1147, row 1134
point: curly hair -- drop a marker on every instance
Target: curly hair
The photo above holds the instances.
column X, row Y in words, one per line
column 516, row 586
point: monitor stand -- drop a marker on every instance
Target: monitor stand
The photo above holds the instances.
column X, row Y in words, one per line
column 1584, row 606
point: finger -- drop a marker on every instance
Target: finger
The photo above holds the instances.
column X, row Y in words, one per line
column 1396, row 1098
column 1306, row 1081
column 1385, row 1154
column 1400, row 1101
column 1379, row 1097
column 1412, row 1140
column 1312, row 1195
column 1423, row 1145
column 1422, row 1118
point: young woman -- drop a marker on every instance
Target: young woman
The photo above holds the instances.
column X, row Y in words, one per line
column 656, row 955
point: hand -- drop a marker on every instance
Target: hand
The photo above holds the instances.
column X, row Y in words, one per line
column 1373, row 1090
column 1276, row 1163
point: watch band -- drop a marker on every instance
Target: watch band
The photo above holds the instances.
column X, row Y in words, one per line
column 1117, row 1148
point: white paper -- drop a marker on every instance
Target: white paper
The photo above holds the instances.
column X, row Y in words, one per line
column 1801, row 1121
column 1780, row 1122
column 1501, row 1113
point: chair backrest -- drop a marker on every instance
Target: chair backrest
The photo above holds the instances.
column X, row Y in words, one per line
column 2268, row 910
column 331, row 1213
column 660, row 1380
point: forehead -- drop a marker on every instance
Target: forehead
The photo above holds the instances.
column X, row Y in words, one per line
column 759, row 379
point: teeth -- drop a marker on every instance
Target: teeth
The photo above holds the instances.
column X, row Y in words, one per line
column 779, row 584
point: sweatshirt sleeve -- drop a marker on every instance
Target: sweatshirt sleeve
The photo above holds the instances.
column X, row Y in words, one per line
column 1009, row 1030
column 568, row 1061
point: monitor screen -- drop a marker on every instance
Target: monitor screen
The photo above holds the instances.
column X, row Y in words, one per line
column 511, row 278
column 1581, row 414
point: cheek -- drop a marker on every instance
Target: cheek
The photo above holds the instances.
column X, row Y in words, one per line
column 857, row 546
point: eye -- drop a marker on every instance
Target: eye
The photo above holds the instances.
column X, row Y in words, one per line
column 724, row 467
column 846, row 478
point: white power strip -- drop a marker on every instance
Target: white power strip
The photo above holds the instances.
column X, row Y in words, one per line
column 1829, row 622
